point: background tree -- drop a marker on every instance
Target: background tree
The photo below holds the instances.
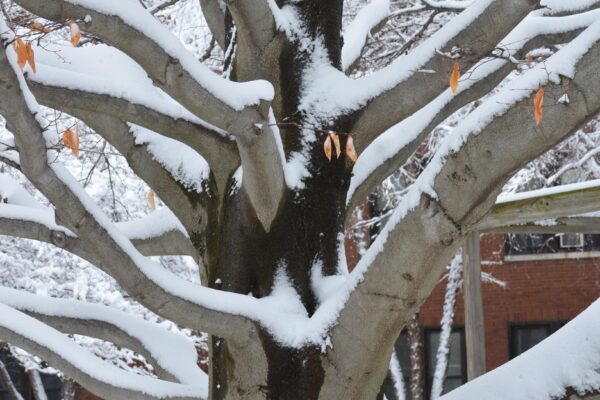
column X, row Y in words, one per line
column 241, row 168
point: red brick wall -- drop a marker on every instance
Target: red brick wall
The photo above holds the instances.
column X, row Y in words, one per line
column 536, row 291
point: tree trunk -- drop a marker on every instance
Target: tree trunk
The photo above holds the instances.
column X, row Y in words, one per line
column 307, row 231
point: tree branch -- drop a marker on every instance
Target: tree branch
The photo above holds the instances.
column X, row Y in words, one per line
column 549, row 31
column 159, row 290
column 28, row 223
column 215, row 18
column 134, row 31
column 219, row 150
column 470, row 36
column 369, row 20
column 190, row 208
column 37, row 386
column 173, row 356
column 425, row 231
column 94, row 374
column 254, row 21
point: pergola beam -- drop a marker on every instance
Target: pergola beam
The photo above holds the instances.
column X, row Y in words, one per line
column 573, row 200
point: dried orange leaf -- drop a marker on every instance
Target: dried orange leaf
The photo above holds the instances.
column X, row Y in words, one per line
column 538, row 105
column 30, row 56
column 327, row 147
column 75, row 32
column 350, row 150
column 68, row 138
column 529, row 60
column 151, row 200
column 454, row 77
column 71, row 140
column 39, row 27
column 21, row 50
column 336, row 143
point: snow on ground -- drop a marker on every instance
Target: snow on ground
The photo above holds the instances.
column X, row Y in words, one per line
column 566, row 359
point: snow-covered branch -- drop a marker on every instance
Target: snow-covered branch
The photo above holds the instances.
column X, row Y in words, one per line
column 402, row 88
column 177, row 174
column 159, row 234
column 133, row 30
column 146, row 281
column 97, row 375
column 456, row 190
column 38, row 224
column 390, row 153
column 367, row 22
column 218, row 150
column 559, row 7
column 173, row 356
column 447, row 5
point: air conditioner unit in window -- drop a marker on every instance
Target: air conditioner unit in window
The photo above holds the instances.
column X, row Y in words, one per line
column 571, row 240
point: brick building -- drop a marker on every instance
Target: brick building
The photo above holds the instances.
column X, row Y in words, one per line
column 549, row 279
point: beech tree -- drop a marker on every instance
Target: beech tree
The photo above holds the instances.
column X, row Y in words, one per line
column 271, row 161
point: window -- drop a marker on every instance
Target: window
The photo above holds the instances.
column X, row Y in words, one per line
column 524, row 337
column 522, row 244
column 456, row 374
column 52, row 384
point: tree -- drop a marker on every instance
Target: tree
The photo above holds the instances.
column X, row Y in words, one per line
column 267, row 219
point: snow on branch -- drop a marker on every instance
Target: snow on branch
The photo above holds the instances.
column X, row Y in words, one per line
column 145, row 280
column 448, row 4
column 441, row 365
column 97, row 375
column 355, row 35
column 39, row 224
column 172, row 354
column 553, row 7
column 538, row 373
column 390, row 150
column 388, row 96
column 102, row 79
column 169, row 175
column 11, row 192
column 132, row 29
column 239, row 108
column 159, row 233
